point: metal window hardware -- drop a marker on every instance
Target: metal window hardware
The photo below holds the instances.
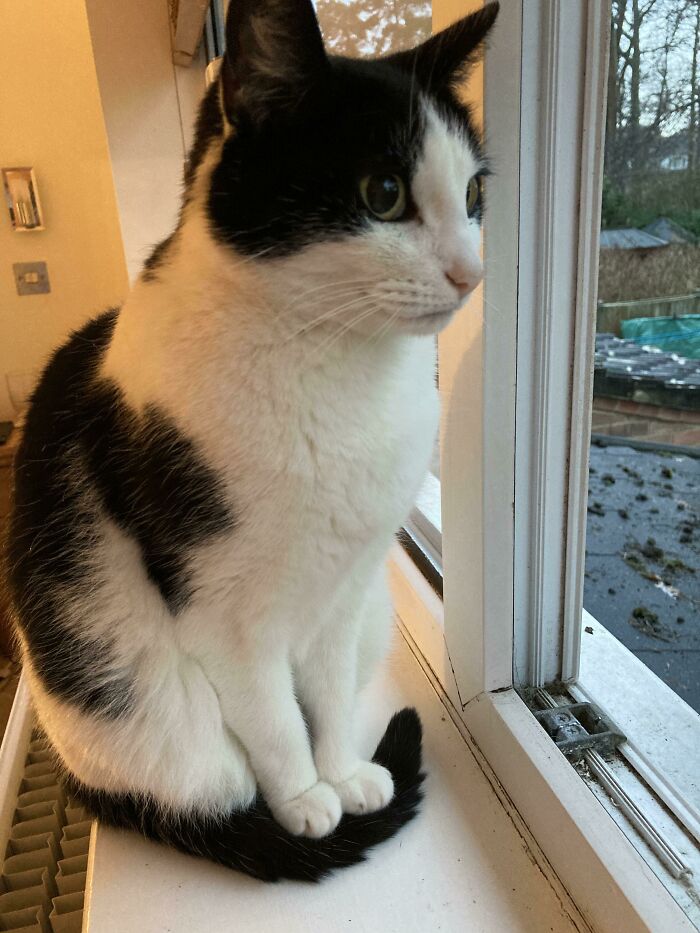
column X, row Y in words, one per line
column 577, row 728
column 582, row 732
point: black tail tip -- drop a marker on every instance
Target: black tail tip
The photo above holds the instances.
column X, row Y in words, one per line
column 400, row 752
column 400, row 749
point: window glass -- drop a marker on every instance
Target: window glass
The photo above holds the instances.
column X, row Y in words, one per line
column 642, row 576
column 373, row 27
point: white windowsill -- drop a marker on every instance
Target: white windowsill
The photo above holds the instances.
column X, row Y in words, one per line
column 608, row 878
column 466, row 863
column 663, row 732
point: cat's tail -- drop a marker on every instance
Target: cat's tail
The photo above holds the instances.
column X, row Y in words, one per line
column 252, row 842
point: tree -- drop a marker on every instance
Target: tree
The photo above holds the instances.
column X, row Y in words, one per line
column 694, row 117
column 362, row 27
column 652, row 146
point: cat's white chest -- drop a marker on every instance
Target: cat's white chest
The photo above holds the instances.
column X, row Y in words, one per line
column 369, row 440
column 321, row 467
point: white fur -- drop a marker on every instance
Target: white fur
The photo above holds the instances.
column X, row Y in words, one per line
column 321, row 424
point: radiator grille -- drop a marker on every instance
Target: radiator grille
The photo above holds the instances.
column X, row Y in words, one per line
column 43, row 874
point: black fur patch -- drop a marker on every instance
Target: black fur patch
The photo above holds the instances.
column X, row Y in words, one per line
column 80, row 437
column 154, row 485
column 253, row 843
column 294, row 179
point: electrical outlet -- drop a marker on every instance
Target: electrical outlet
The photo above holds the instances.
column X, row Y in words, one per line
column 31, row 278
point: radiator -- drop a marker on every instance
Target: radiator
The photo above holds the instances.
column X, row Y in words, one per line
column 45, row 836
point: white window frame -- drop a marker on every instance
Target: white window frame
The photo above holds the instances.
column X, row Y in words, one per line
column 516, row 383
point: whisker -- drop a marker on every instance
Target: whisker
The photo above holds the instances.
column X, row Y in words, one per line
column 326, row 315
column 326, row 297
column 383, row 329
column 325, row 345
column 330, row 285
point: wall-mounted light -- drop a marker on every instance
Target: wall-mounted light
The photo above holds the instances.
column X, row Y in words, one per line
column 22, row 198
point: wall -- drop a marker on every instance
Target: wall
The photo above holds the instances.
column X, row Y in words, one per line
column 631, row 274
column 150, row 108
column 51, row 119
column 627, row 418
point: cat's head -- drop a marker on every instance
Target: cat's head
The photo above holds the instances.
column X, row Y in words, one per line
column 353, row 186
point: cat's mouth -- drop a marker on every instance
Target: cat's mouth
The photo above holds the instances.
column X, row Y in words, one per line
column 431, row 322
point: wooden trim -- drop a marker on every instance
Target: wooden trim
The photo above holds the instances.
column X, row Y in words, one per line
column 477, row 385
column 420, row 612
column 562, row 94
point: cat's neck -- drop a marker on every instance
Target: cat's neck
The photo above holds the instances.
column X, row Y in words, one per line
column 205, row 313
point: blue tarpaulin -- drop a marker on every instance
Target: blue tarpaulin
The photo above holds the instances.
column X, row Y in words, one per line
column 679, row 335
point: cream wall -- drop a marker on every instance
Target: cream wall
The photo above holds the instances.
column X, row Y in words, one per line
column 51, row 119
column 150, row 108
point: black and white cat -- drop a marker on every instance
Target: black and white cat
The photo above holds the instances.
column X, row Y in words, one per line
column 211, row 476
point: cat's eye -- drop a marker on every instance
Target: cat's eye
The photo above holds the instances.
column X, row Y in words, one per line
column 473, row 195
column 384, row 195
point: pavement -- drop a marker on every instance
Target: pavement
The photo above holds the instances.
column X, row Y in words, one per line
column 642, row 579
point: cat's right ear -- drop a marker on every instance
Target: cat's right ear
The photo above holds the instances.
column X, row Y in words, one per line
column 447, row 57
column 274, row 57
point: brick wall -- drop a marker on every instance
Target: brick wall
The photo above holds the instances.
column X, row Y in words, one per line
column 626, row 418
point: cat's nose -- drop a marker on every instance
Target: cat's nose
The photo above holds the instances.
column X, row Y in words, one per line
column 464, row 281
column 464, row 272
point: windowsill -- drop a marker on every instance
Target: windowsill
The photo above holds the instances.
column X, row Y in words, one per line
column 464, row 864
column 663, row 732
column 603, row 870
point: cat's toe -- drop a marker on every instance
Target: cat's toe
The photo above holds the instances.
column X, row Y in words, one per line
column 370, row 788
column 314, row 813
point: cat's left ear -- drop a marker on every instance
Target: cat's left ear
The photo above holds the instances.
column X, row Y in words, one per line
column 274, row 57
column 445, row 58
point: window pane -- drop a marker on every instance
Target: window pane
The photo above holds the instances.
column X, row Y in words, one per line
column 642, row 568
column 373, row 27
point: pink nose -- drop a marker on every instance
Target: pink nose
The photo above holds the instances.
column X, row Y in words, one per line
column 463, row 287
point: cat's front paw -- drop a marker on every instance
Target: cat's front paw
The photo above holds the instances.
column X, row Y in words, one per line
column 314, row 813
column 370, row 788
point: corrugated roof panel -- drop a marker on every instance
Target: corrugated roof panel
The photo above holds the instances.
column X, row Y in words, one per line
column 629, row 238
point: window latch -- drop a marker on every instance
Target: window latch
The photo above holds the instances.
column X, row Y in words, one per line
column 579, row 727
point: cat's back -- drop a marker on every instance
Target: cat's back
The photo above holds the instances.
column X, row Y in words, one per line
column 48, row 461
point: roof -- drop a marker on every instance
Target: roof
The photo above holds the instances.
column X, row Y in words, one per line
column 627, row 360
column 669, row 230
column 629, row 238
column 636, row 495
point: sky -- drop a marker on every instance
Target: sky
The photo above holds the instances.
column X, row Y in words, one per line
column 654, row 31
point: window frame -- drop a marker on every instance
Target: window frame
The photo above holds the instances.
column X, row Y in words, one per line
column 500, row 366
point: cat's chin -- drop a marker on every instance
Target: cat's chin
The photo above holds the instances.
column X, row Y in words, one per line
column 426, row 324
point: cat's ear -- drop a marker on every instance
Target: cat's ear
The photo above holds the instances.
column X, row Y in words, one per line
column 274, row 57
column 445, row 58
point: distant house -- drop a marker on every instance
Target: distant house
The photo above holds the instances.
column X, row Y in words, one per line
column 630, row 238
column 669, row 230
column 674, row 163
column 673, row 152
